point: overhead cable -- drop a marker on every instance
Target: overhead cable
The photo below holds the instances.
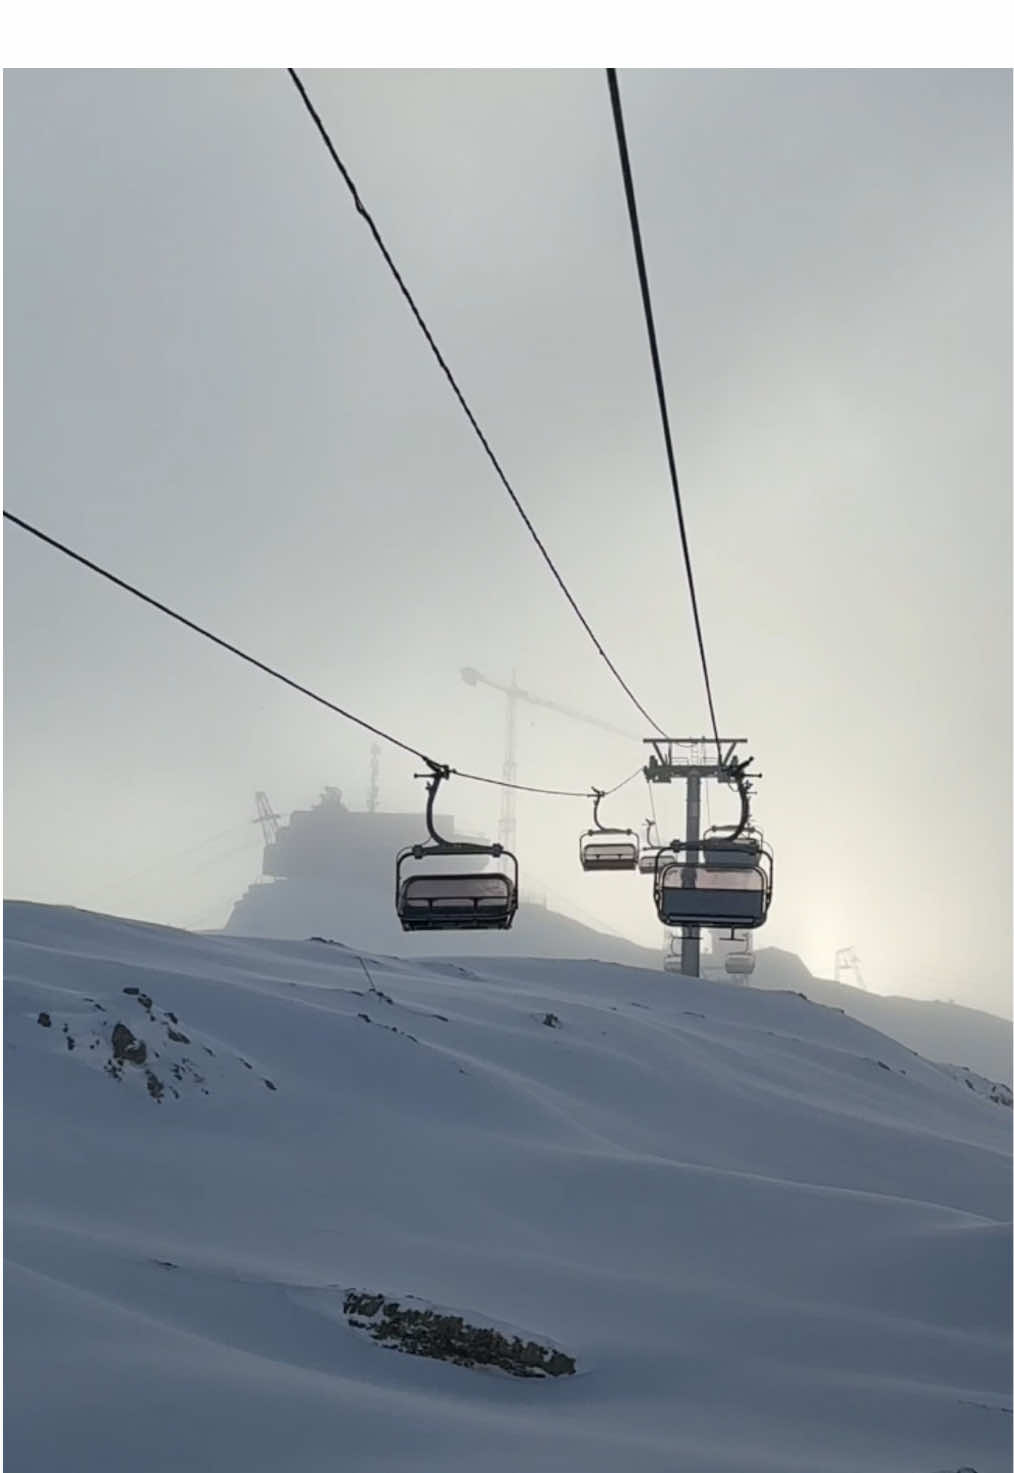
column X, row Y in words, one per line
column 364, row 212
column 270, row 670
column 656, row 363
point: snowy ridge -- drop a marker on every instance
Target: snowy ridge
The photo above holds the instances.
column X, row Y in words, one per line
column 772, row 1238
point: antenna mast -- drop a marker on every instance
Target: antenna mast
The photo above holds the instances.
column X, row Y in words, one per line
column 372, row 796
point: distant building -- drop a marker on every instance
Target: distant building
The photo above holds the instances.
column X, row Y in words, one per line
column 330, row 841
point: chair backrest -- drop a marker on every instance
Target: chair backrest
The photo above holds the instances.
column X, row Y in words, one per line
column 453, row 892
column 608, row 852
column 691, row 894
column 723, row 854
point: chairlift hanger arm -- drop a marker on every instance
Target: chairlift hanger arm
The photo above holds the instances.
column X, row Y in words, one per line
column 600, row 827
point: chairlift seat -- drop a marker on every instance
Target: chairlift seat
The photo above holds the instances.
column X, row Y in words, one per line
column 473, row 902
column 608, row 853
column 740, row 964
column 646, row 861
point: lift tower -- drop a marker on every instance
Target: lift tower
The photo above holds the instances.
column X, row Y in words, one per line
column 674, row 759
column 845, row 960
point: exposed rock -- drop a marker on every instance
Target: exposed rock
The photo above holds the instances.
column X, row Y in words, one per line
column 551, row 1020
column 447, row 1337
column 44, row 1020
column 177, row 1037
column 126, row 1046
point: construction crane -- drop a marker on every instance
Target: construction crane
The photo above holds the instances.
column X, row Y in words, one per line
column 268, row 819
column 507, row 828
column 845, row 960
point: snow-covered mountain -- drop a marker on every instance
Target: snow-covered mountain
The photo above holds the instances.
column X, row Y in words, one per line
column 364, row 916
column 769, row 1238
column 937, row 1030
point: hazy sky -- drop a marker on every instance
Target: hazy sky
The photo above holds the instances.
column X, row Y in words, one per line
column 214, row 388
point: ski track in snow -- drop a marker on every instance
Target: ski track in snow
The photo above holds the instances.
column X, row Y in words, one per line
column 772, row 1238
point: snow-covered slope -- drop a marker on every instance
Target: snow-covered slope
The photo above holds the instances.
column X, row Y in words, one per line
column 937, row 1030
column 771, row 1238
column 364, row 917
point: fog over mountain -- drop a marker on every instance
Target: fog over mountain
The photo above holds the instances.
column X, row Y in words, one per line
column 215, row 389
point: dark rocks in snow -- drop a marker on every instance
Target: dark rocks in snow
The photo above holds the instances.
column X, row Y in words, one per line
column 270, row 1085
column 127, row 1047
column 155, row 1086
column 448, row 1337
column 44, row 1020
column 177, row 1037
column 132, row 991
column 551, row 1020
column 389, row 1028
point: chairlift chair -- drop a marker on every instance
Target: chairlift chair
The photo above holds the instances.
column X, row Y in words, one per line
column 454, row 901
column 607, row 849
column 690, row 892
column 649, row 850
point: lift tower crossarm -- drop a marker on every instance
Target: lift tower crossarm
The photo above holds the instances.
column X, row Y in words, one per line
column 664, row 765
